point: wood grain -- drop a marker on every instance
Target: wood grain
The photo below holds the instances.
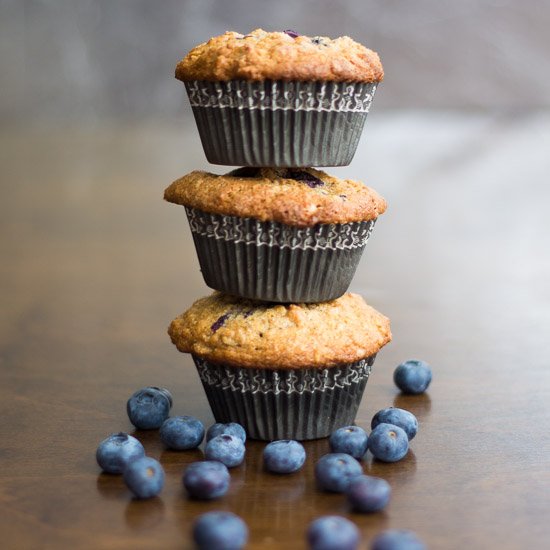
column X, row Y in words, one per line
column 95, row 265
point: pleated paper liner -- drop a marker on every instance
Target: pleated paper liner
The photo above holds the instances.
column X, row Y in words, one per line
column 279, row 123
column 275, row 262
column 276, row 404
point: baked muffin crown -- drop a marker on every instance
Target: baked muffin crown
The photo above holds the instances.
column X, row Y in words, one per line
column 231, row 330
column 299, row 197
column 262, row 55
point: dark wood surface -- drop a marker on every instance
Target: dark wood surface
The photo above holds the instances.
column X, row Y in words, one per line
column 95, row 265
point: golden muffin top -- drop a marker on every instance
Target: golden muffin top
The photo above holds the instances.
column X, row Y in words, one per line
column 245, row 333
column 299, row 197
column 262, row 55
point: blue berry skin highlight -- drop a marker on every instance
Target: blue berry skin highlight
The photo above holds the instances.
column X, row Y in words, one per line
column 284, row 456
column 114, row 452
column 398, row 417
column 149, row 407
column 220, row 531
column 351, row 440
column 206, row 480
column 144, row 477
column 334, row 471
column 388, row 443
column 333, row 533
column 182, row 432
column 225, row 448
column 368, row 494
column 397, row 539
column 231, row 428
column 413, row 376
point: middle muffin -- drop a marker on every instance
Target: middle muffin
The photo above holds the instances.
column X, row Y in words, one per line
column 280, row 235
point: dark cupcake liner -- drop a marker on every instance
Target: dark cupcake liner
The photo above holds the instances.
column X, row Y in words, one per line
column 275, row 404
column 275, row 262
column 278, row 123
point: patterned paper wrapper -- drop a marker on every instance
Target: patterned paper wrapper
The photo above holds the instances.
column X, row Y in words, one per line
column 275, row 404
column 278, row 123
column 275, row 262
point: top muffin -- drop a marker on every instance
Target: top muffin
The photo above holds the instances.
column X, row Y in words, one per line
column 262, row 55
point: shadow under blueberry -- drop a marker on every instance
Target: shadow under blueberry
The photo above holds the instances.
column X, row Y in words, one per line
column 150, row 439
column 111, row 486
column 144, row 514
column 419, row 405
column 170, row 458
column 400, row 472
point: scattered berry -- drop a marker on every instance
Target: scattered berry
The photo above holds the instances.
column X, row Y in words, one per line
column 351, row 440
column 332, row 533
column 220, row 531
column 114, row 452
column 284, row 456
column 368, row 493
column 231, row 428
column 396, row 539
column 206, row 480
column 182, row 432
column 388, row 443
column 225, row 448
column 335, row 471
column 413, row 376
column 144, row 477
column 398, row 417
column 148, row 408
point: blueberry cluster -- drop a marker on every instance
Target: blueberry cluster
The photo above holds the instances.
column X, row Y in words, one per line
column 148, row 408
column 339, row 471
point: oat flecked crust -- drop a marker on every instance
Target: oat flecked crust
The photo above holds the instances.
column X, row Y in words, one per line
column 262, row 55
column 243, row 333
column 273, row 196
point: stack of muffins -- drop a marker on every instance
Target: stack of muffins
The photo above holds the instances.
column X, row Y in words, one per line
column 280, row 347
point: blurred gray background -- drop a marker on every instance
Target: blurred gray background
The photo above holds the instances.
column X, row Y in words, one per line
column 80, row 59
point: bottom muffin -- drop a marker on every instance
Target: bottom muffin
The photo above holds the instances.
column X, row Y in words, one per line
column 283, row 371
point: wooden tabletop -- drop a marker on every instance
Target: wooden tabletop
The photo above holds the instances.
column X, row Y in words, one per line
column 95, row 265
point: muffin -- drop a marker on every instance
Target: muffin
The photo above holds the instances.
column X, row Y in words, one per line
column 280, row 99
column 294, row 371
column 281, row 235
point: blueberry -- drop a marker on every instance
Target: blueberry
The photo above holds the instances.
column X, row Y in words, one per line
column 227, row 449
column 398, row 417
column 413, row 376
column 220, row 531
column 351, row 440
column 144, row 477
column 291, row 33
column 305, row 177
column 332, row 533
column 245, row 172
column 206, row 480
column 219, row 322
column 397, row 539
column 284, row 456
column 114, row 452
column 335, row 471
column 231, row 428
column 182, row 432
column 148, row 408
column 388, row 443
column 368, row 493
